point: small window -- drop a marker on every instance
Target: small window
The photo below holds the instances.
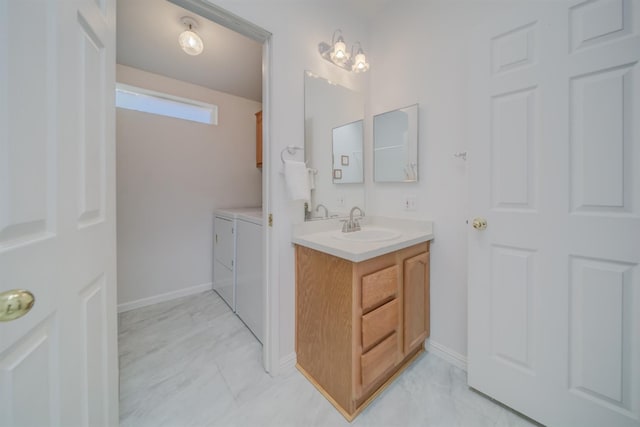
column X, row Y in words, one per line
column 148, row 101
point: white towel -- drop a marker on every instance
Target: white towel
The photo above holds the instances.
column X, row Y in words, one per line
column 297, row 180
column 312, row 178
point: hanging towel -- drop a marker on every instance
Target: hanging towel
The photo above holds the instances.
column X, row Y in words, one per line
column 297, row 180
column 312, row 178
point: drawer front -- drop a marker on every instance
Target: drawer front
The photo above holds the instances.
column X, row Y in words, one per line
column 379, row 286
column 379, row 323
column 379, row 359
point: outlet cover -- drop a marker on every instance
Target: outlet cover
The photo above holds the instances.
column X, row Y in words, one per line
column 410, row 202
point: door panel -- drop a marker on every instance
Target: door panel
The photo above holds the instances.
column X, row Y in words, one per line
column 554, row 289
column 26, row 151
column 601, row 287
column 58, row 363
column 91, row 121
column 512, row 149
column 33, row 357
column 512, row 306
column 600, row 136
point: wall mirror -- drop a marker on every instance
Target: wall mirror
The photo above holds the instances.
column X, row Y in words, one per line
column 347, row 153
column 333, row 144
column 395, row 145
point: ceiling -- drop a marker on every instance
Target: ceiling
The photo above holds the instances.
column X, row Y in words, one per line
column 147, row 39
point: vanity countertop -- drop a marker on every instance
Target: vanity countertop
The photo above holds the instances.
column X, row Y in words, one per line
column 324, row 236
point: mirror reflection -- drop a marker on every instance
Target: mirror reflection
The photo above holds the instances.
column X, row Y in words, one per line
column 333, row 147
column 395, row 142
column 347, row 153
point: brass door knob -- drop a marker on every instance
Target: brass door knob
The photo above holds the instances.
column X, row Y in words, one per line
column 479, row 223
column 15, row 304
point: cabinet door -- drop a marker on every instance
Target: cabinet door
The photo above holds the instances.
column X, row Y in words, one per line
column 416, row 301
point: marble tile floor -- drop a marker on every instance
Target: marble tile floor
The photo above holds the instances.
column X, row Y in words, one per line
column 192, row 362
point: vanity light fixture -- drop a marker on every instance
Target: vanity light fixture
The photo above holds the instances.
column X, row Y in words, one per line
column 337, row 54
column 189, row 41
column 360, row 64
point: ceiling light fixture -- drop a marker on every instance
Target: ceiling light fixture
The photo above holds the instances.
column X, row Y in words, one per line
column 337, row 54
column 189, row 41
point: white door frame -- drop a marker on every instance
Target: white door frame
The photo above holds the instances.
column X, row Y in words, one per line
column 269, row 244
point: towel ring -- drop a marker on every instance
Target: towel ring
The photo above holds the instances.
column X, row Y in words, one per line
column 291, row 149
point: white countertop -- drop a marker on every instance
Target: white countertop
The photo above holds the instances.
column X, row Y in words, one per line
column 320, row 235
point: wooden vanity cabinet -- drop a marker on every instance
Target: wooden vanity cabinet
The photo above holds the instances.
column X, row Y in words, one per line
column 358, row 325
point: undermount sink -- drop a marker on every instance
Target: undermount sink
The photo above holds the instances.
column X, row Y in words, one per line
column 369, row 234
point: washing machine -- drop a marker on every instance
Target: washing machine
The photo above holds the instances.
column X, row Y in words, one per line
column 249, row 289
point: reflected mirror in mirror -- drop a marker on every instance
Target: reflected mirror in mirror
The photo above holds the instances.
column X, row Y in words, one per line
column 347, row 153
column 395, row 145
column 333, row 117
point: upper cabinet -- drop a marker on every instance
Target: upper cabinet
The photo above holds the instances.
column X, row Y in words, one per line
column 395, row 145
column 259, row 139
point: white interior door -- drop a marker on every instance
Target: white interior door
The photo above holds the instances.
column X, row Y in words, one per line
column 554, row 279
column 58, row 363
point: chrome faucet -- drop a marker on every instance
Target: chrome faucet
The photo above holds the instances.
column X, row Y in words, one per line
column 352, row 224
column 326, row 211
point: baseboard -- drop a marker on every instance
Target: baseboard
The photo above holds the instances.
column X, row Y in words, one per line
column 445, row 353
column 164, row 297
column 287, row 362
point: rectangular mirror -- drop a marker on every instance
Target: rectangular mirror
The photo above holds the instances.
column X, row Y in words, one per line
column 395, row 145
column 333, row 141
column 347, row 153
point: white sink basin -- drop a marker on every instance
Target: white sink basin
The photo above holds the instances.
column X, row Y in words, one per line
column 369, row 234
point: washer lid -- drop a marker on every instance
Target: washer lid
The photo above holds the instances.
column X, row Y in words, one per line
column 254, row 216
column 233, row 213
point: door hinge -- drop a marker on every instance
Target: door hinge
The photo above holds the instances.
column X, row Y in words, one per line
column 270, row 220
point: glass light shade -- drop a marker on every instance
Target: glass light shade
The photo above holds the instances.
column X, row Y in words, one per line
column 191, row 43
column 360, row 64
column 339, row 54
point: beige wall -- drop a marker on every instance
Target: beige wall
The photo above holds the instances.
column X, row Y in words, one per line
column 171, row 175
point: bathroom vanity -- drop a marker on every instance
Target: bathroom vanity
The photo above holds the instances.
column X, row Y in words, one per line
column 362, row 307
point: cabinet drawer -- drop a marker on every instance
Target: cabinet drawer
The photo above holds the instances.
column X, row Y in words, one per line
column 379, row 286
column 379, row 323
column 379, row 359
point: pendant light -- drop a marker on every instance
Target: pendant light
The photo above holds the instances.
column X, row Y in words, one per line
column 189, row 40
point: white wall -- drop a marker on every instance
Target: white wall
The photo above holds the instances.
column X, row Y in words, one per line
column 171, row 175
column 419, row 55
column 297, row 28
